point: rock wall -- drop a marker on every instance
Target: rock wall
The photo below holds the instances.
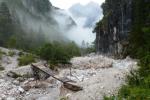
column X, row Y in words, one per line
column 113, row 30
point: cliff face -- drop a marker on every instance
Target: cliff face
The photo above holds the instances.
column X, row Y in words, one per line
column 35, row 20
column 6, row 24
column 113, row 30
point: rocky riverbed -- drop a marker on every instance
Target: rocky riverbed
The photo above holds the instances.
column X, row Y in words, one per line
column 97, row 74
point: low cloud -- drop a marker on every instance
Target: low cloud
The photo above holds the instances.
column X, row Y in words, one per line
column 91, row 12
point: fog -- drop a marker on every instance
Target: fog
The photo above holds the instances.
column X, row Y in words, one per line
column 91, row 12
column 34, row 21
column 52, row 23
column 86, row 17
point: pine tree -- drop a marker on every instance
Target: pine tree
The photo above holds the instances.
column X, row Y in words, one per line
column 6, row 27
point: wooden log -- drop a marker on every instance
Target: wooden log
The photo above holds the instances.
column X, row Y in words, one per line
column 72, row 87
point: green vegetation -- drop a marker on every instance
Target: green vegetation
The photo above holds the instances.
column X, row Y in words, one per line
column 1, row 68
column 138, row 83
column 56, row 52
column 64, row 98
column 12, row 35
column 11, row 53
column 1, row 54
column 87, row 49
column 6, row 27
column 26, row 59
column 12, row 42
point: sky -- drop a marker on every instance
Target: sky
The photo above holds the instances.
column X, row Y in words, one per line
column 84, row 33
column 65, row 4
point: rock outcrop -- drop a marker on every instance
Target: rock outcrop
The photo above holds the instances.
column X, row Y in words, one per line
column 113, row 30
column 123, row 26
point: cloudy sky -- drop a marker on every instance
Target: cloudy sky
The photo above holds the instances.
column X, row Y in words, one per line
column 65, row 4
column 91, row 10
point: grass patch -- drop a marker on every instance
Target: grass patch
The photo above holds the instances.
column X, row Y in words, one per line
column 21, row 53
column 11, row 53
column 1, row 53
column 1, row 68
column 26, row 59
column 63, row 98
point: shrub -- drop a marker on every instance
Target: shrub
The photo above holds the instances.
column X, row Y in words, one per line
column 109, row 98
column 26, row 59
column 1, row 53
column 63, row 98
column 56, row 52
column 1, row 68
column 11, row 53
column 21, row 53
column 147, row 82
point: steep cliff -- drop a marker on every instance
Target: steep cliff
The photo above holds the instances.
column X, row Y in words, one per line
column 113, row 30
column 124, row 27
column 35, row 21
column 6, row 24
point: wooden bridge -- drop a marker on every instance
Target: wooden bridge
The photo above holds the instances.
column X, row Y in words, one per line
column 43, row 72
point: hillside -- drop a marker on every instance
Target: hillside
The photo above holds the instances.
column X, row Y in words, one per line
column 33, row 21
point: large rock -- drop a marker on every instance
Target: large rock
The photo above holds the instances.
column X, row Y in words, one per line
column 113, row 30
column 24, row 71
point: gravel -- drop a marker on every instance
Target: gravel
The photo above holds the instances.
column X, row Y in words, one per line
column 97, row 74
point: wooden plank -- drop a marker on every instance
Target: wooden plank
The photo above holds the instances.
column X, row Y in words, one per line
column 48, row 72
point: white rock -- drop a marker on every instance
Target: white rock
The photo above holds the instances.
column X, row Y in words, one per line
column 20, row 89
column 27, row 93
column 102, row 87
column 31, row 79
column 16, row 82
column 68, row 95
column 11, row 98
column 3, row 96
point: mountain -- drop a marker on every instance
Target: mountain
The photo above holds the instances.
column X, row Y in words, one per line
column 34, row 20
column 124, row 27
column 113, row 30
column 91, row 12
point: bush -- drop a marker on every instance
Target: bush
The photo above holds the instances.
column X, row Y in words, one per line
column 1, row 68
column 63, row 98
column 109, row 98
column 11, row 53
column 26, row 59
column 1, row 54
column 56, row 53
column 145, row 65
column 147, row 82
column 135, row 93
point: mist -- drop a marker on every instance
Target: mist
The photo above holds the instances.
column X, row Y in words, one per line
column 52, row 23
column 34, row 21
column 86, row 17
